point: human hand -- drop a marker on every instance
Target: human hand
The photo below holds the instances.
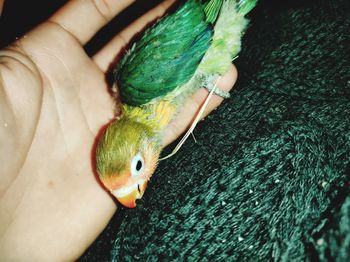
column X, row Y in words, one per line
column 53, row 102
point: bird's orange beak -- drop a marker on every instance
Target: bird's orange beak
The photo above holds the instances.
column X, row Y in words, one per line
column 128, row 196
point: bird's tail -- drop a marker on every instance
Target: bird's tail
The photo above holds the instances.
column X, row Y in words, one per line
column 212, row 8
column 229, row 27
column 245, row 6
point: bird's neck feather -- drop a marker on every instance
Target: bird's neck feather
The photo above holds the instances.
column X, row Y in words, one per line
column 154, row 115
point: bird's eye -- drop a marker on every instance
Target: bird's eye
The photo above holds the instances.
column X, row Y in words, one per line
column 137, row 165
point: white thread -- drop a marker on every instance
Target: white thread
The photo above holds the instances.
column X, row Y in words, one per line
column 192, row 127
column 194, row 138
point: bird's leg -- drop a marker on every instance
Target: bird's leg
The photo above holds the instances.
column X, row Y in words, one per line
column 209, row 84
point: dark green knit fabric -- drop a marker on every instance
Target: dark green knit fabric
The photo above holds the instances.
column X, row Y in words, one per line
column 269, row 178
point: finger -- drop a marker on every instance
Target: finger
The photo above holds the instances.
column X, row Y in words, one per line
column 225, row 83
column 83, row 18
column 189, row 110
column 1, row 6
column 107, row 55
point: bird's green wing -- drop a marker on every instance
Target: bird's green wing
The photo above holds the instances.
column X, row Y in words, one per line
column 166, row 56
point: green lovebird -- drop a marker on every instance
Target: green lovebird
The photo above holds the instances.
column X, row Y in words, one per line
column 181, row 53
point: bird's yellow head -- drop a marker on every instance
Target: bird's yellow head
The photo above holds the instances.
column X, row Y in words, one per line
column 126, row 157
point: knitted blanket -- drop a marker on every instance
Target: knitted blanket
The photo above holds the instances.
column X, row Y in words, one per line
column 269, row 175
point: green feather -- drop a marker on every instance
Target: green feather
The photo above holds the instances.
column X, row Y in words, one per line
column 166, row 56
column 212, row 9
column 169, row 53
column 245, row 6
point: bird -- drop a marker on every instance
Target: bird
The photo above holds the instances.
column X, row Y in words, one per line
column 182, row 52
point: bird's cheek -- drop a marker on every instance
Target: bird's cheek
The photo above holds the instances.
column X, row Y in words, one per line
column 115, row 181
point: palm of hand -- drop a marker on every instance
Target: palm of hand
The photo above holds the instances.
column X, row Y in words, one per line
column 64, row 104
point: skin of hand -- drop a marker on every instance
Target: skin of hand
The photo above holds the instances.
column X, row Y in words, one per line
column 1, row 6
column 53, row 102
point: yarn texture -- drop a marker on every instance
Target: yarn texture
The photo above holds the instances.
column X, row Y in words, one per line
column 269, row 176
